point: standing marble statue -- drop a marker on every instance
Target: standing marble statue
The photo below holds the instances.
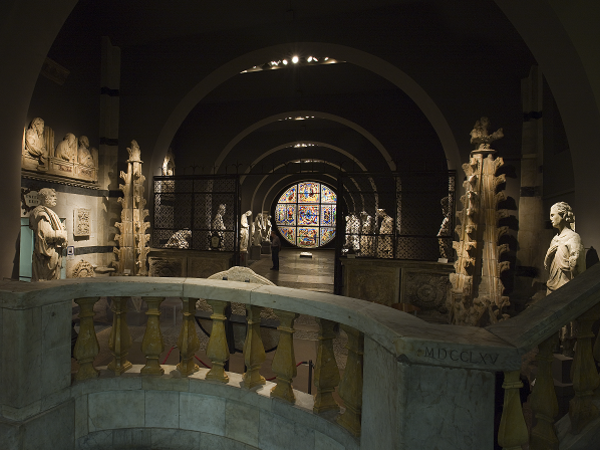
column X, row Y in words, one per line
column 366, row 239
column 385, row 240
column 244, row 231
column 565, row 259
column 168, row 165
column 267, row 225
column 258, row 227
column 35, row 143
column 50, row 238
column 218, row 226
column 352, row 232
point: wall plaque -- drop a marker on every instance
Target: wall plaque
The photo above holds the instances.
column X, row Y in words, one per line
column 81, row 222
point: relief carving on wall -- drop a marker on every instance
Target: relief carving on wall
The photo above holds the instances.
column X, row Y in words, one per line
column 426, row 290
column 71, row 158
column 82, row 225
column 372, row 285
column 165, row 267
column 82, row 269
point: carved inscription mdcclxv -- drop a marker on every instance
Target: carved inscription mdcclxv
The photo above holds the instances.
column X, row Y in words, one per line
column 465, row 356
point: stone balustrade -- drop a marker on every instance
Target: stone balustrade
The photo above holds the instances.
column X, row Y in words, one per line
column 407, row 383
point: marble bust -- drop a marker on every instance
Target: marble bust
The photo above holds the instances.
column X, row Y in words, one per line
column 35, row 143
column 50, row 238
column 565, row 258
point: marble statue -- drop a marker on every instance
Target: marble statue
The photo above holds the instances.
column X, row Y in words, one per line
column 35, row 143
column 565, row 258
column 218, row 226
column 352, row 232
column 267, row 225
column 179, row 239
column 244, row 231
column 366, row 239
column 480, row 135
column 257, row 237
column 168, row 165
column 385, row 240
column 444, row 230
column 67, row 148
column 84, row 154
column 50, row 238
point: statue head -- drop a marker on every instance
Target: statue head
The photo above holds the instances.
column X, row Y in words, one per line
column 47, row 197
column 84, row 141
column 38, row 125
column 561, row 210
column 222, row 208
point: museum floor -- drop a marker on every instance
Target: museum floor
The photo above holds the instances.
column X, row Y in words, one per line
column 314, row 273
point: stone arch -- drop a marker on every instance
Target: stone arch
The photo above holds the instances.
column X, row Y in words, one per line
column 362, row 59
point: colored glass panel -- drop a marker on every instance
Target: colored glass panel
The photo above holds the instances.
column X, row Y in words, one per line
column 328, row 215
column 308, row 237
column 327, row 234
column 308, row 215
column 327, row 195
column 305, row 214
column 289, row 233
column 289, row 196
column 309, row 192
column 285, row 214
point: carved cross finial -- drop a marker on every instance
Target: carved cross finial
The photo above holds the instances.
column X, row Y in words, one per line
column 480, row 136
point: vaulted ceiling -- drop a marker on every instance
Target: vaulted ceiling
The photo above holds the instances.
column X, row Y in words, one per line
column 412, row 78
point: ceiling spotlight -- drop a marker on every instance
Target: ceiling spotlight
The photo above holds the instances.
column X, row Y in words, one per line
column 285, row 62
column 309, row 59
column 295, row 59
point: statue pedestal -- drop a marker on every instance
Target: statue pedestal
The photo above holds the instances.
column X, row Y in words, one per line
column 255, row 252
column 266, row 248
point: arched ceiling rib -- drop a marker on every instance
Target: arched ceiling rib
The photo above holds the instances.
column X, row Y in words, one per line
column 358, row 57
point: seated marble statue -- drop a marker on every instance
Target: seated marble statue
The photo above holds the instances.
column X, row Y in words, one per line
column 565, row 258
column 84, row 155
column 67, row 148
column 218, row 226
column 50, row 238
column 35, row 144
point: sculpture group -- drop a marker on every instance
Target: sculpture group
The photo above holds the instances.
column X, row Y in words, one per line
column 71, row 158
column 368, row 236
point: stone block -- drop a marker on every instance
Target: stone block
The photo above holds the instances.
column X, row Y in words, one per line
column 323, row 442
column 81, row 416
column 54, row 429
column 10, row 435
column 99, row 440
column 114, row 410
column 277, row 433
column 136, row 438
column 202, row 413
column 22, row 328
column 242, row 422
column 170, row 439
column 162, row 409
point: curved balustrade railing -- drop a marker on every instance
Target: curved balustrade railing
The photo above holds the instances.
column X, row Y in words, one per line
column 407, row 383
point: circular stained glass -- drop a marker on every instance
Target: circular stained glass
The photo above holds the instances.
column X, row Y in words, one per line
column 305, row 214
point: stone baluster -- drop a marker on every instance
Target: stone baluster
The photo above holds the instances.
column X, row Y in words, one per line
column 254, row 351
column 217, row 349
column 543, row 399
column 351, row 386
column 87, row 347
column 585, row 376
column 120, row 339
column 188, row 342
column 513, row 433
column 327, row 374
column 152, row 344
column 284, row 361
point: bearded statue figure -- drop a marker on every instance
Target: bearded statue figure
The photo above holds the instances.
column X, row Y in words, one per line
column 50, row 238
